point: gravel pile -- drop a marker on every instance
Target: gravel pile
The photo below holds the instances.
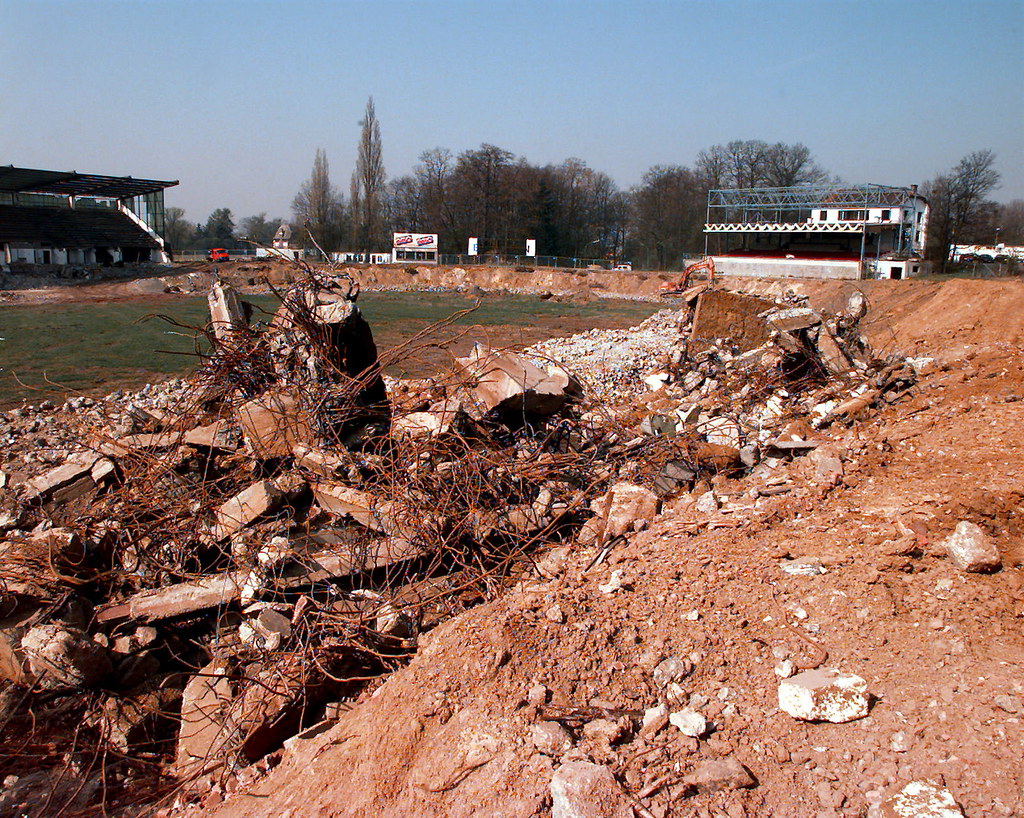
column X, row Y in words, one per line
column 614, row 362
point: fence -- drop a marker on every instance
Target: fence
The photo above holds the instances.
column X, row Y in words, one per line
column 528, row 261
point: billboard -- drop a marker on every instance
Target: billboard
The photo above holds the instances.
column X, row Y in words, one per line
column 473, row 246
column 415, row 241
column 531, row 247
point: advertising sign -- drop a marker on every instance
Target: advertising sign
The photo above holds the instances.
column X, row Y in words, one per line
column 417, row 241
column 473, row 246
column 531, row 247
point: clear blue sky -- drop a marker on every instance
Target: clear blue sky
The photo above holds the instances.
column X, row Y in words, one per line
column 233, row 98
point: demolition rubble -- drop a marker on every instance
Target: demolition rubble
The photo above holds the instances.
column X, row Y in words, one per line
column 195, row 573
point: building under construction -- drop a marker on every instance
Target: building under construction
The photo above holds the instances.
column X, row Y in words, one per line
column 817, row 231
column 51, row 217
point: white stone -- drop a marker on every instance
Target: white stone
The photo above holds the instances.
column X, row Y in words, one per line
column 920, row 799
column 550, row 738
column 580, row 789
column 654, row 719
column 785, row 669
column 824, row 694
column 690, row 723
column 971, row 549
column 707, row 503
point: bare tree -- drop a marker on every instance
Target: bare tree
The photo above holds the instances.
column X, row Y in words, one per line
column 368, row 182
column 960, row 210
column 754, row 163
column 668, row 209
column 318, row 206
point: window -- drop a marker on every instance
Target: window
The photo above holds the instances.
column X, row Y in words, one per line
column 823, row 215
column 852, row 215
column 920, row 217
column 886, row 215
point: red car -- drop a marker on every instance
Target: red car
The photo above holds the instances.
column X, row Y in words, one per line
column 219, row 254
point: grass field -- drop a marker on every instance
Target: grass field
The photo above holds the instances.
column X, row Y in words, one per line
column 48, row 351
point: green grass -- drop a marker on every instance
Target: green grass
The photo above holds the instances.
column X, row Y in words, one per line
column 96, row 348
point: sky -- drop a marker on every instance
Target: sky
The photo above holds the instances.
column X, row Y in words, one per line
column 233, row 98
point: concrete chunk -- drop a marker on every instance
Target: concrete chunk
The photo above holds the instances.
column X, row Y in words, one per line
column 273, row 424
column 920, row 799
column 971, row 549
column 626, row 507
column 505, row 382
column 204, row 706
column 246, row 507
column 824, row 694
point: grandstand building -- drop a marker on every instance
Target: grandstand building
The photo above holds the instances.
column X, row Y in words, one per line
column 50, row 217
column 818, row 231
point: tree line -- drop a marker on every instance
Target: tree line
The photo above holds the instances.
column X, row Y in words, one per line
column 571, row 209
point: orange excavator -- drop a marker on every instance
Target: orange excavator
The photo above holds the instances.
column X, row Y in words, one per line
column 681, row 284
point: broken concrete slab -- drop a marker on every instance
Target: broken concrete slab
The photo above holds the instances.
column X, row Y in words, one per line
column 246, row 507
column 972, row 550
column 204, row 732
column 274, row 423
column 793, row 319
column 346, row 501
column 504, row 382
column 220, row 435
column 824, row 694
column 580, row 789
column 72, row 479
column 228, row 314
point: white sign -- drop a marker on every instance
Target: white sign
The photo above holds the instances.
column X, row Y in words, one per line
column 531, row 247
column 473, row 246
column 415, row 241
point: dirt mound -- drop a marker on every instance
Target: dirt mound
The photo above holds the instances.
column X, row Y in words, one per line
column 843, row 570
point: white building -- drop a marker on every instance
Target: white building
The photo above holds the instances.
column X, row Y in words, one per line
column 818, row 231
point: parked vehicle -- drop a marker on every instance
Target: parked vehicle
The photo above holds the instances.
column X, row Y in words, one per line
column 624, row 266
column 219, row 254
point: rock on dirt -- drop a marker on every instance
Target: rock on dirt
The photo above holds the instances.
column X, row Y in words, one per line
column 580, row 789
column 719, row 774
column 824, row 694
column 971, row 549
column 920, row 799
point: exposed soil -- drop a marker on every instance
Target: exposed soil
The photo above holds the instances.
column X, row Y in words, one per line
column 941, row 650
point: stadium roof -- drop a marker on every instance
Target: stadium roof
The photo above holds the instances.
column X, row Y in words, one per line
column 72, row 183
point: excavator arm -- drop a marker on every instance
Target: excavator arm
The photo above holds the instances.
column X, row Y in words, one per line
column 706, row 264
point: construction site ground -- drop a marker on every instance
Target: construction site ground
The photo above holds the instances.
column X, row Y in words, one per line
column 941, row 650
column 452, row 733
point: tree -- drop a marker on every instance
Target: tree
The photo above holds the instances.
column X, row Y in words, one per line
column 318, row 207
column 368, row 183
column 668, row 210
column 259, row 229
column 960, row 211
column 220, row 229
column 1010, row 222
column 754, row 163
column 179, row 234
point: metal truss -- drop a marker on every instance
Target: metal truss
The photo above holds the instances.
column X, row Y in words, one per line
column 809, row 197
